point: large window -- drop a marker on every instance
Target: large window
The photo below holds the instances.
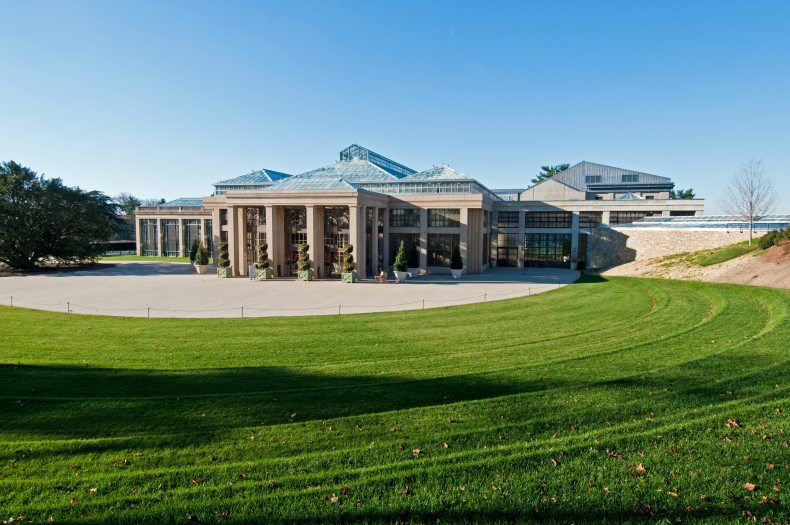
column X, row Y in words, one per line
column 170, row 238
column 548, row 219
column 440, row 248
column 630, row 178
column 507, row 249
column 507, row 219
column 627, row 217
column 209, row 236
column 444, row 218
column 592, row 179
column 149, row 236
column 404, row 218
column 547, row 250
column 409, row 240
column 191, row 232
column 590, row 219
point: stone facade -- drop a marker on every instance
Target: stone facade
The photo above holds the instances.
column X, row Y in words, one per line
column 612, row 246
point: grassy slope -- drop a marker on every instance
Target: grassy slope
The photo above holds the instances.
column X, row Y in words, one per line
column 547, row 405
column 712, row 256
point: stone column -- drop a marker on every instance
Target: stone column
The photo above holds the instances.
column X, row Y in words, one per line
column 269, row 229
column 353, row 233
column 183, row 250
column 279, row 243
column 605, row 218
column 464, row 239
column 386, row 243
column 361, row 248
column 374, row 245
column 522, row 236
column 424, row 240
column 574, row 240
column 215, row 233
column 232, row 240
column 138, row 237
column 315, row 220
column 493, row 236
column 160, row 238
column 240, row 263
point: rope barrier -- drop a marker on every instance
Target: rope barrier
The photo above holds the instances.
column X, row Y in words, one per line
column 148, row 309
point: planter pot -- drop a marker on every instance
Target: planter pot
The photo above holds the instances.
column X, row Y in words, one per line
column 401, row 276
column 492, row 263
column 456, row 273
column 201, row 269
column 224, row 272
column 305, row 275
column 413, row 272
column 263, row 274
column 349, row 277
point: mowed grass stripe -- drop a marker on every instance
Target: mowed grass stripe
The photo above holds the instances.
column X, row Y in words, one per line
column 533, row 417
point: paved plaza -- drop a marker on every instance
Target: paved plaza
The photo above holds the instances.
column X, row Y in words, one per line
column 175, row 290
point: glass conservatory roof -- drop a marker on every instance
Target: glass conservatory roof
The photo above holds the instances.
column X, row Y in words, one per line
column 437, row 173
column 184, row 201
column 262, row 176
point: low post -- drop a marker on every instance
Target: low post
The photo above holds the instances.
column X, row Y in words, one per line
column 242, row 312
column 149, row 312
column 12, row 300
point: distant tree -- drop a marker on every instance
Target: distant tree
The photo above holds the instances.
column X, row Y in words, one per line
column 41, row 219
column 750, row 194
column 152, row 202
column 548, row 172
column 682, row 194
column 127, row 203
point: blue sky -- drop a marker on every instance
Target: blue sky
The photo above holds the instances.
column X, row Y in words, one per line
column 164, row 98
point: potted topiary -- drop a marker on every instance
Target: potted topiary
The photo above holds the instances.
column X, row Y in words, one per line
column 349, row 275
column 201, row 259
column 223, row 264
column 305, row 272
column 401, row 264
column 414, row 260
column 193, row 251
column 262, row 270
column 456, row 263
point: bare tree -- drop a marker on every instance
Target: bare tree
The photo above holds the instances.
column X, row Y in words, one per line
column 750, row 194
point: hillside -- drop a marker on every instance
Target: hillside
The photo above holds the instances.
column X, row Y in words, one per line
column 619, row 400
column 739, row 264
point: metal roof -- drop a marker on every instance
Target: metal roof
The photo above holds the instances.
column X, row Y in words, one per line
column 576, row 176
column 355, row 151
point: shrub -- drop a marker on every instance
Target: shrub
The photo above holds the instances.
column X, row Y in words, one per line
column 304, row 257
column 193, row 250
column 414, row 256
column 401, row 262
column 224, row 256
column 769, row 239
column 348, row 258
column 263, row 257
column 456, row 263
column 201, row 255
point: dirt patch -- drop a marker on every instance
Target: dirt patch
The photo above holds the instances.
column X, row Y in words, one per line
column 770, row 268
column 779, row 253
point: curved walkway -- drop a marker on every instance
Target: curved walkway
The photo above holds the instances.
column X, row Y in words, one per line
column 173, row 290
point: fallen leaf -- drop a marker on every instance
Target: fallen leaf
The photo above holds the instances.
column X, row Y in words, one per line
column 345, row 490
column 406, row 490
column 749, row 486
column 445, row 445
column 334, row 499
column 94, row 490
column 416, row 452
column 733, row 423
column 640, row 469
column 673, row 494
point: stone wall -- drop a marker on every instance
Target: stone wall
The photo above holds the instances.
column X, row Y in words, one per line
column 610, row 247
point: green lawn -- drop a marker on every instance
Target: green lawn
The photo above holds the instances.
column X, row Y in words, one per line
column 143, row 258
column 616, row 401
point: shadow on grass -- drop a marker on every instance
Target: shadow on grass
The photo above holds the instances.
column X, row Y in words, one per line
column 194, row 405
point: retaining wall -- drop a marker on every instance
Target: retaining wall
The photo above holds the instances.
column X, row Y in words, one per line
column 610, row 246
